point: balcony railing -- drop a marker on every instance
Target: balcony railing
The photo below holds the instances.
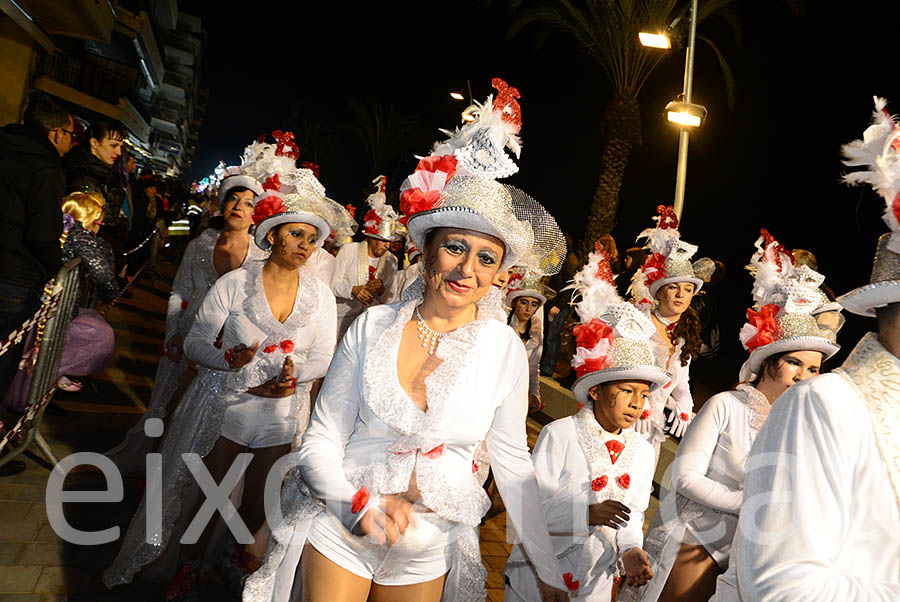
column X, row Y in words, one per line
column 178, row 80
column 89, row 75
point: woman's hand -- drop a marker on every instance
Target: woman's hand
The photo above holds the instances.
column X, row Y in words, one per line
column 389, row 522
column 608, row 513
column 551, row 594
column 534, row 403
column 362, row 294
column 175, row 348
column 554, row 311
column 282, row 385
column 240, row 355
column 637, row 567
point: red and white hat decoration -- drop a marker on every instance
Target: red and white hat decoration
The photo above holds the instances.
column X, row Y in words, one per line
column 380, row 221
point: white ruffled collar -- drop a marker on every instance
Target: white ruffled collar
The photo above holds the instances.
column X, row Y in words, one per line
column 256, row 306
column 757, row 404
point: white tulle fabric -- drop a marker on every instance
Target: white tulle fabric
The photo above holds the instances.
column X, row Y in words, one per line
column 236, row 306
column 534, row 347
column 708, row 477
column 366, row 431
column 196, row 274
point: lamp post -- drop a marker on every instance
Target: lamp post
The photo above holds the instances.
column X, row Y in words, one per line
column 684, row 134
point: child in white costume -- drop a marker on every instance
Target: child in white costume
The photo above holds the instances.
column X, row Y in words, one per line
column 595, row 473
column 529, row 296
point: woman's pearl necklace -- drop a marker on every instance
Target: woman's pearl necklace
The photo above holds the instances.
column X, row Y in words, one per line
column 429, row 337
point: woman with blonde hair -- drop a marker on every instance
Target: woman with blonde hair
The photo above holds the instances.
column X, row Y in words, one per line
column 90, row 342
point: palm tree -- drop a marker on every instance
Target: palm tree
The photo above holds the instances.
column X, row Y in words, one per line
column 607, row 31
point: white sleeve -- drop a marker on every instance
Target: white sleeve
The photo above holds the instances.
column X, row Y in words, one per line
column 799, row 503
column 631, row 535
column 514, row 473
column 341, row 283
column 324, row 339
column 198, row 345
column 565, row 504
column 390, row 276
column 321, row 453
column 692, row 460
column 181, row 290
column 534, row 371
column 326, row 268
column 682, row 400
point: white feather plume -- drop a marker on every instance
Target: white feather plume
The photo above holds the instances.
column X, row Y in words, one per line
column 593, row 293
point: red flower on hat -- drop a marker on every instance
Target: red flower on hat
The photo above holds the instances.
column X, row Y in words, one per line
column 570, row 582
column 311, row 166
column 591, row 364
column 599, row 483
column 371, row 222
column 506, row 99
column 779, row 248
column 413, row 200
column 654, row 268
column 287, row 345
column 624, row 481
column 351, row 209
column 588, row 335
column 435, row 163
column 764, row 323
column 604, row 270
column 667, row 217
column 359, row 500
column 267, row 207
column 515, row 282
column 286, row 139
column 273, row 182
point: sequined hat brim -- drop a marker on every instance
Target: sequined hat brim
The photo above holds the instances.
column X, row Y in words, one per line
column 465, row 219
column 759, row 355
column 657, row 377
column 525, row 293
column 291, row 217
column 655, row 286
column 238, row 180
column 393, row 238
column 864, row 300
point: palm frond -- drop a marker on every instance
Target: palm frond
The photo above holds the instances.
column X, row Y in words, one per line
column 727, row 74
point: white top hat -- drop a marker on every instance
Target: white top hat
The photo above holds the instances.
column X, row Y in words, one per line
column 786, row 298
column 879, row 152
column 613, row 341
column 527, row 284
column 380, row 221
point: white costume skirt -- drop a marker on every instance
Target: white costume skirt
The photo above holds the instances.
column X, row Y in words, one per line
column 257, row 422
column 419, row 556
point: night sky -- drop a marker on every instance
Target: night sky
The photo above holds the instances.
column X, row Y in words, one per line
column 804, row 86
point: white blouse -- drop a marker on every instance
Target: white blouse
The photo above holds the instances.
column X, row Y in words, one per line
column 236, row 305
column 825, row 524
column 322, row 264
column 365, row 430
column 196, row 273
column 352, row 269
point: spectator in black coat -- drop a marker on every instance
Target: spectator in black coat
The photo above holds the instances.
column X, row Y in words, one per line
column 31, row 190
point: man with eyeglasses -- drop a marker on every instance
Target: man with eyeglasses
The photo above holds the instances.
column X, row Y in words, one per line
column 31, row 189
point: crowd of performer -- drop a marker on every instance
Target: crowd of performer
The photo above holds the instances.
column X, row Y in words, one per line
column 353, row 397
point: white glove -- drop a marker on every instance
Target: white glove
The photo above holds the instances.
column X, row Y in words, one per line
column 678, row 423
column 644, row 426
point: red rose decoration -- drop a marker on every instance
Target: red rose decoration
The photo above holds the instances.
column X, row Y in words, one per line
column 645, row 414
column 588, row 335
column 287, row 345
column 654, row 268
column 444, row 163
column 435, row 453
column 765, row 324
column 580, row 405
column 590, row 365
column 599, row 483
column 359, row 500
column 684, row 417
column 267, row 207
column 270, row 348
column 474, row 466
column 351, row 209
column 569, row 579
column 184, row 305
column 624, row 481
column 414, row 200
column 614, row 448
column 273, row 182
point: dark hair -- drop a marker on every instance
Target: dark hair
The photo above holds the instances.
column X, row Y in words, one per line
column 44, row 115
column 768, row 367
column 688, row 328
column 104, row 129
column 217, row 222
column 525, row 336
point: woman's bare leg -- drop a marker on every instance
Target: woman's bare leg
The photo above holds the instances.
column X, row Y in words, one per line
column 324, row 581
column 253, row 509
column 430, row 591
column 693, row 576
column 217, row 462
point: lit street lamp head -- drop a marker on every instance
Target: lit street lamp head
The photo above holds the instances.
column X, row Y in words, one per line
column 685, row 114
column 655, row 40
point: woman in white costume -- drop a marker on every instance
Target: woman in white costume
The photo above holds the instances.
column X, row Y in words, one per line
column 277, row 324
column 690, row 538
column 663, row 289
column 388, row 507
column 526, row 317
column 212, row 254
column 595, row 473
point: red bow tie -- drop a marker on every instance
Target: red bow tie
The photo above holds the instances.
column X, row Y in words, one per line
column 615, row 448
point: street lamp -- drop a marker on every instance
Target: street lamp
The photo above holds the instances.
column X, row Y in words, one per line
column 655, row 40
column 457, row 96
column 683, row 113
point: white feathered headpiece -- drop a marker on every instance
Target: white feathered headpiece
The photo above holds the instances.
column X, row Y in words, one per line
column 380, row 220
column 879, row 153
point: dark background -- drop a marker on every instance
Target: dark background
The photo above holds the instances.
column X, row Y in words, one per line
column 804, row 86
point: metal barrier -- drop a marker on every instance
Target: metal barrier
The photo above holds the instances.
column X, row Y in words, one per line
column 43, row 382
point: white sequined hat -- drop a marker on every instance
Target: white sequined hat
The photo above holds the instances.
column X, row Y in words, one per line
column 786, row 299
column 381, row 221
column 456, row 187
column 523, row 283
column 289, row 209
column 879, row 152
column 234, row 178
column 669, row 259
column 613, row 341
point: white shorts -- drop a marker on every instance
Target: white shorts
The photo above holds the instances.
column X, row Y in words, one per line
column 260, row 421
column 421, row 555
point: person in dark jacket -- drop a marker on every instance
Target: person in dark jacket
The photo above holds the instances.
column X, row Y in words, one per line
column 31, row 190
